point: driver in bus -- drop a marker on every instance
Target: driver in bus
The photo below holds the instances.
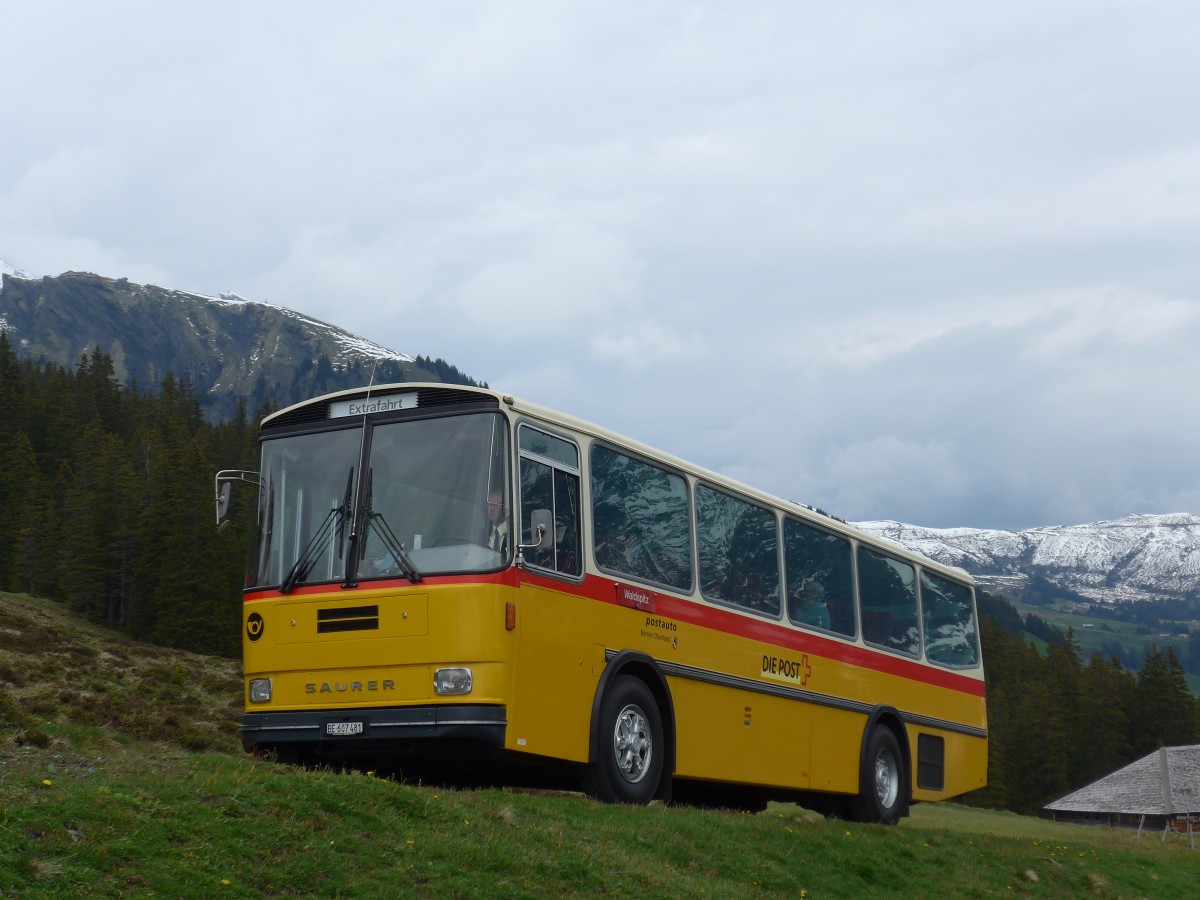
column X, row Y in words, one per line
column 496, row 537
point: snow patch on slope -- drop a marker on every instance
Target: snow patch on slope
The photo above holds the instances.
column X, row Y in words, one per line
column 7, row 268
column 12, row 272
column 351, row 345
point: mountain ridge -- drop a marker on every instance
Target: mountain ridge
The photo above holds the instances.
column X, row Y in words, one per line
column 1136, row 557
column 229, row 347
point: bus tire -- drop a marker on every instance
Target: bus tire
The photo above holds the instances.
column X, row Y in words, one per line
column 882, row 781
column 630, row 746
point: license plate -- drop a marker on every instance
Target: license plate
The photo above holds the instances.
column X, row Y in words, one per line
column 343, row 729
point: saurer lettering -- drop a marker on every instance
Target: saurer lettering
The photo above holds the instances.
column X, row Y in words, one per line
column 339, row 687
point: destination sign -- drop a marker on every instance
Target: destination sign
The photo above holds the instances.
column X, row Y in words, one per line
column 368, row 405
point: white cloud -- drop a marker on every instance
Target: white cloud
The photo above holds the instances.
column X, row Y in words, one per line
column 644, row 343
column 808, row 246
column 553, row 276
column 890, row 472
column 1124, row 317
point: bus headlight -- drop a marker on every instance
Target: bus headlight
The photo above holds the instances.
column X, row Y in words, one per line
column 260, row 690
column 452, row 681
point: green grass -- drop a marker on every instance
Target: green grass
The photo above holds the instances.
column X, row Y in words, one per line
column 104, row 804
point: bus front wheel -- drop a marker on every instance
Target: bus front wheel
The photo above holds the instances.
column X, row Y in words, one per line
column 883, row 780
column 630, row 749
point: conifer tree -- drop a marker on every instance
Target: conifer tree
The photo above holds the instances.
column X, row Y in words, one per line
column 1107, row 705
column 19, row 487
column 11, row 408
column 1165, row 711
column 1066, row 732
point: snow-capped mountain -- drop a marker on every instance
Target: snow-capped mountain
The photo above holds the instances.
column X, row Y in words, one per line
column 1134, row 558
column 229, row 348
column 6, row 269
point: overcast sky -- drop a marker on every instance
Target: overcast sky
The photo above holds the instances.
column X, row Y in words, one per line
column 927, row 261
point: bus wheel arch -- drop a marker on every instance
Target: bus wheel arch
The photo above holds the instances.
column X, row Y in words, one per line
column 885, row 770
column 631, row 681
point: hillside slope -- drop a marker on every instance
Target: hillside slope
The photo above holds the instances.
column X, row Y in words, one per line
column 57, row 668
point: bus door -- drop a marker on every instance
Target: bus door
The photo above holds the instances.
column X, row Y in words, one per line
column 554, row 682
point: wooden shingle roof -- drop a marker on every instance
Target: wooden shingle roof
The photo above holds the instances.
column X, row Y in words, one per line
column 1163, row 783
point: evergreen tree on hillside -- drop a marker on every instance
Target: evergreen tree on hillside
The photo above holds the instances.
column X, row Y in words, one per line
column 97, row 393
column 1054, row 724
column 1008, row 668
column 80, row 567
column 193, row 609
column 20, row 485
column 36, row 549
column 1065, row 732
column 1165, row 710
column 106, row 501
column 1107, row 704
column 96, row 549
column 11, row 407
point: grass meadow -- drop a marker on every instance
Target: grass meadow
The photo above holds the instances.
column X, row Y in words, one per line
column 120, row 776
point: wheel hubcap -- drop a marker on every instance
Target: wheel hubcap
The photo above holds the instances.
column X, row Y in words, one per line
column 633, row 743
column 887, row 779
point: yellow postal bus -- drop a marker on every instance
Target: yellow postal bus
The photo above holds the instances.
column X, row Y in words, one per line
column 440, row 569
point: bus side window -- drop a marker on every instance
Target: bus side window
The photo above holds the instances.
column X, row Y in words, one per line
column 888, row 592
column 739, row 551
column 951, row 638
column 820, row 581
column 641, row 520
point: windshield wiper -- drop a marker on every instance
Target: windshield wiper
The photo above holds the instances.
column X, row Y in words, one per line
column 390, row 542
column 308, row 556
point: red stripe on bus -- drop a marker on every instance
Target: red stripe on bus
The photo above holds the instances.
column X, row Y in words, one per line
column 774, row 633
column 602, row 589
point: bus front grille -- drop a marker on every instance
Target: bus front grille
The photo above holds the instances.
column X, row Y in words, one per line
column 352, row 618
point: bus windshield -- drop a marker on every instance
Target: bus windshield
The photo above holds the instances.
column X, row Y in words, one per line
column 429, row 496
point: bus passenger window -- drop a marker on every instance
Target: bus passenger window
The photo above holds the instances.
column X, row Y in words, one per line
column 951, row 638
column 887, row 590
column 739, row 551
column 820, row 586
column 641, row 521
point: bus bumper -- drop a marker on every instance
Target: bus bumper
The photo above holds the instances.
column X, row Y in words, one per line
column 362, row 730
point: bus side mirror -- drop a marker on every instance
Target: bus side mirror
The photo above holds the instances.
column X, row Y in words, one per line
column 541, row 527
column 223, row 503
column 224, row 486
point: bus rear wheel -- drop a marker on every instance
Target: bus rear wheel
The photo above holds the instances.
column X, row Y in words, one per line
column 630, row 751
column 882, row 781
